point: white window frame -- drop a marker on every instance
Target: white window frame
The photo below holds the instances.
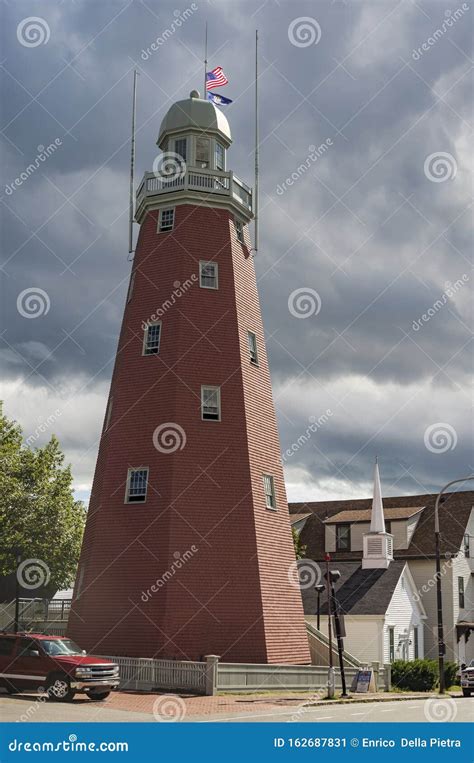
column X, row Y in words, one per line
column 253, row 350
column 221, row 145
column 219, row 409
column 216, row 274
column 239, row 230
column 160, row 218
column 129, row 476
column 175, row 151
column 145, row 339
column 273, row 505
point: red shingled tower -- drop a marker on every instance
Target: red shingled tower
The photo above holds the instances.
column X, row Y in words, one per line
column 187, row 548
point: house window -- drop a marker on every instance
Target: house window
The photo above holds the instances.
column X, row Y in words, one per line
column 166, row 222
column 416, row 643
column 252, row 340
column 391, row 644
column 180, row 148
column 211, row 403
column 151, row 339
column 130, row 287
column 343, row 537
column 461, row 593
column 239, row 229
column 137, row 483
column 208, row 275
column 466, row 545
column 220, row 157
column 109, row 413
column 269, row 490
column 202, row 152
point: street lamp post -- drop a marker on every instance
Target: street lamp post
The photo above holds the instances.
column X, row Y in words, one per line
column 319, row 589
column 334, row 577
column 439, row 598
column 331, row 676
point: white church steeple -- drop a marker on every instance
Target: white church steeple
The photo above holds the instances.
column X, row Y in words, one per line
column 377, row 544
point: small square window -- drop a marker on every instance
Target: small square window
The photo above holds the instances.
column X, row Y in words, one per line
column 211, row 403
column 151, row 339
column 252, row 341
column 166, row 221
column 137, row 483
column 343, row 537
column 269, row 490
column 239, row 229
column 208, row 275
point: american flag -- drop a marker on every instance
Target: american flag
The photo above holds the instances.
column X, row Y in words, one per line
column 216, row 78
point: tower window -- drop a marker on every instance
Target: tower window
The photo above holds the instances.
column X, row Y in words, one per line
column 151, row 339
column 269, row 490
column 208, row 275
column 239, row 229
column 180, row 148
column 220, row 157
column 462, row 603
column 137, row 483
column 252, row 341
column 211, row 403
column 202, row 152
column 166, row 221
column 343, row 537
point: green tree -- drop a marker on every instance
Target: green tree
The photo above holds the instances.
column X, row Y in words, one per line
column 300, row 548
column 38, row 513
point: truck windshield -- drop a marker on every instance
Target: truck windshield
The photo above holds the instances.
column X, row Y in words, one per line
column 60, row 646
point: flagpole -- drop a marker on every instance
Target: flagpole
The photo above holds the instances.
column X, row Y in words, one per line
column 205, row 64
column 255, row 200
column 132, row 164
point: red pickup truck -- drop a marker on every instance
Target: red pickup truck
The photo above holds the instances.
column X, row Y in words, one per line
column 55, row 664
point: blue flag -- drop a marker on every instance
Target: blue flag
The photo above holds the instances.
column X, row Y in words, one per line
column 219, row 100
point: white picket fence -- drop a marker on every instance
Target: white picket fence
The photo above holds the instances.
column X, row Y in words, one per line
column 143, row 674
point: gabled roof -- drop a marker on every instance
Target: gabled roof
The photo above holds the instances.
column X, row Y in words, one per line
column 363, row 515
column 358, row 591
column 299, row 517
column 454, row 515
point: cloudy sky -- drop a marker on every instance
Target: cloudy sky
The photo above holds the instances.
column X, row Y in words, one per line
column 373, row 235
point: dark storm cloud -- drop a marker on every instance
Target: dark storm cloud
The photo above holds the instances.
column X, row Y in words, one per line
column 362, row 224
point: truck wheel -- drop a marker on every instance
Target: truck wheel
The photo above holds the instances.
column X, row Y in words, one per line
column 466, row 692
column 59, row 689
column 99, row 695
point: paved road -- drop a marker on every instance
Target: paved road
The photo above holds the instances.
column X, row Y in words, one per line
column 446, row 709
column 28, row 707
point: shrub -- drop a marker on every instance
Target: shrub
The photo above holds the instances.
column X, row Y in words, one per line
column 450, row 671
column 415, row 675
